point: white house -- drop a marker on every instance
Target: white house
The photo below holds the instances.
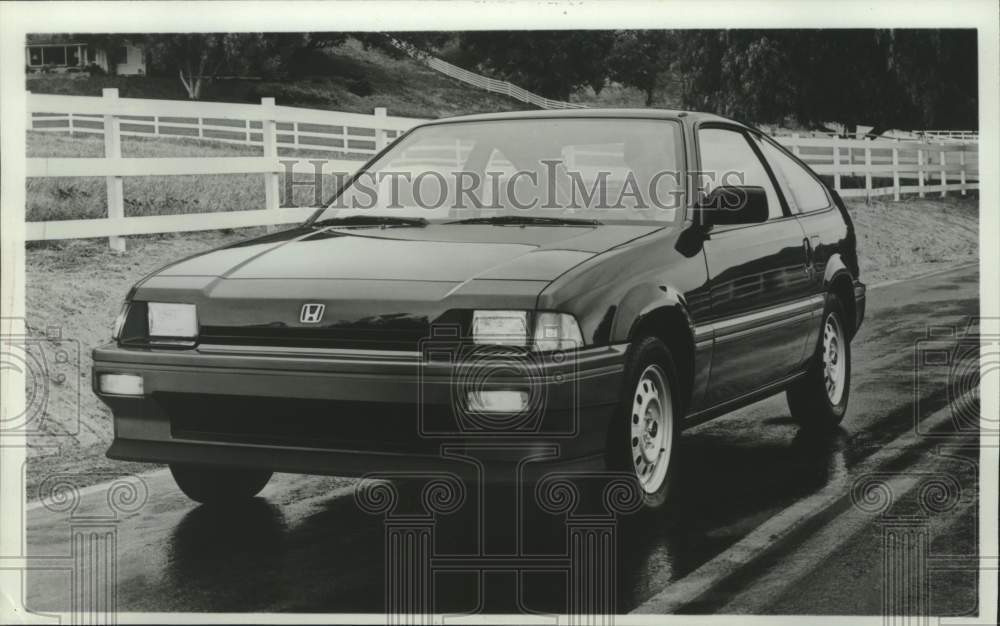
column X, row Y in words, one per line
column 128, row 59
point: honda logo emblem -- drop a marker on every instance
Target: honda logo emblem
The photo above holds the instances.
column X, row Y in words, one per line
column 311, row 313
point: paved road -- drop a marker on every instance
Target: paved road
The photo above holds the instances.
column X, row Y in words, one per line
column 305, row 545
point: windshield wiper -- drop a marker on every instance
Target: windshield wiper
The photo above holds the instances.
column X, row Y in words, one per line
column 370, row 220
column 527, row 219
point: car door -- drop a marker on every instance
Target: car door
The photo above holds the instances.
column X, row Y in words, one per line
column 758, row 276
column 813, row 207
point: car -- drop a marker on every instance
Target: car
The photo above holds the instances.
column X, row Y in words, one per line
column 590, row 284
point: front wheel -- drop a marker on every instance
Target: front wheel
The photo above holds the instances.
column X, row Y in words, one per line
column 218, row 485
column 819, row 399
column 644, row 442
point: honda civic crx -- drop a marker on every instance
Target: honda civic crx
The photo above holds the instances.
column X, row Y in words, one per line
column 506, row 295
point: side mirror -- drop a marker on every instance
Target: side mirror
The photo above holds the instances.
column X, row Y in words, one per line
column 732, row 205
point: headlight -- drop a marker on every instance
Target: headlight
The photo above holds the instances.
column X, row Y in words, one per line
column 172, row 321
column 556, row 331
column 500, row 328
column 552, row 331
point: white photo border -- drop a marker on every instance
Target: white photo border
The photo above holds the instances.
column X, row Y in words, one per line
column 18, row 19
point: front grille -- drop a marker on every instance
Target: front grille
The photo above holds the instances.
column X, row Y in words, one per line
column 354, row 339
column 381, row 332
column 301, row 423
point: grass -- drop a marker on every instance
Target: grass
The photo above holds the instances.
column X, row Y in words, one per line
column 86, row 197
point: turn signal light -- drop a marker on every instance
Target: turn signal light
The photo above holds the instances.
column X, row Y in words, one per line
column 120, row 384
column 497, row 401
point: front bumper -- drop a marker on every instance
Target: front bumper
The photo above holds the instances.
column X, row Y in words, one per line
column 354, row 413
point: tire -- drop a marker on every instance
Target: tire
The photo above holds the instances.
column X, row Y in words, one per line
column 635, row 445
column 813, row 400
column 218, row 485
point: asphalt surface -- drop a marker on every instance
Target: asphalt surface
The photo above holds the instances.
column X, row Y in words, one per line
column 306, row 546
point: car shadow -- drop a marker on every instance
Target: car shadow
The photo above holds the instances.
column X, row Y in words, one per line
column 498, row 549
column 216, row 553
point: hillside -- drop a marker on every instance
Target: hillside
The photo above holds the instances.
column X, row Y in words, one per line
column 350, row 78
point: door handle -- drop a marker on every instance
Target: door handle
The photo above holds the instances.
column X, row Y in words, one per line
column 808, row 249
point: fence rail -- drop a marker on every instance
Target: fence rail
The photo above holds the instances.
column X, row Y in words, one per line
column 885, row 167
column 890, row 167
column 353, row 135
column 348, row 138
column 964, row 135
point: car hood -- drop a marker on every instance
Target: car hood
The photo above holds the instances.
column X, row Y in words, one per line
column 439, row 252
column 381, row 288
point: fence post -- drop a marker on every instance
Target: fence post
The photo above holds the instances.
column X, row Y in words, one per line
column 113, row 150
column 270, row 143
column 942, row 160
column 836, row 162
column 380, row 119
column 895, row 171
column 795, row 144
column 961, row 161
column 868, row 167
column 920, row 172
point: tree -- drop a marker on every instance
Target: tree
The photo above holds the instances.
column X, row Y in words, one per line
column 550, row 63
column 884, row 78
column 639, row 57
column 201, row 56
column 938, row 72
column 285, row 55
column 740, row 74
column 197, row 58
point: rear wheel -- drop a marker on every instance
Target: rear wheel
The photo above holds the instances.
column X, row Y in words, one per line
column 219, row 485
column 644, row 442
column 819, row 400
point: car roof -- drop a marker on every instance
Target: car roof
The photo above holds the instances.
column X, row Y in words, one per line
column 692, row 116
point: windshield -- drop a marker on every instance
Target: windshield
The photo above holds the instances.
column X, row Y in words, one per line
column 582, row 170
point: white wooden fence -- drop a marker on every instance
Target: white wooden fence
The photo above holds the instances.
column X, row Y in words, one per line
column 347, row 135
column 349, row 138
column 964, row 135
column 886, row 167
column 890, row 167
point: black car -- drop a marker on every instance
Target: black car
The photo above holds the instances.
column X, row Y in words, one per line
column 509, row 294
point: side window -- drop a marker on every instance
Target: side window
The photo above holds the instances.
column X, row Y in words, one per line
column 808, row 194
column 728, row 158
